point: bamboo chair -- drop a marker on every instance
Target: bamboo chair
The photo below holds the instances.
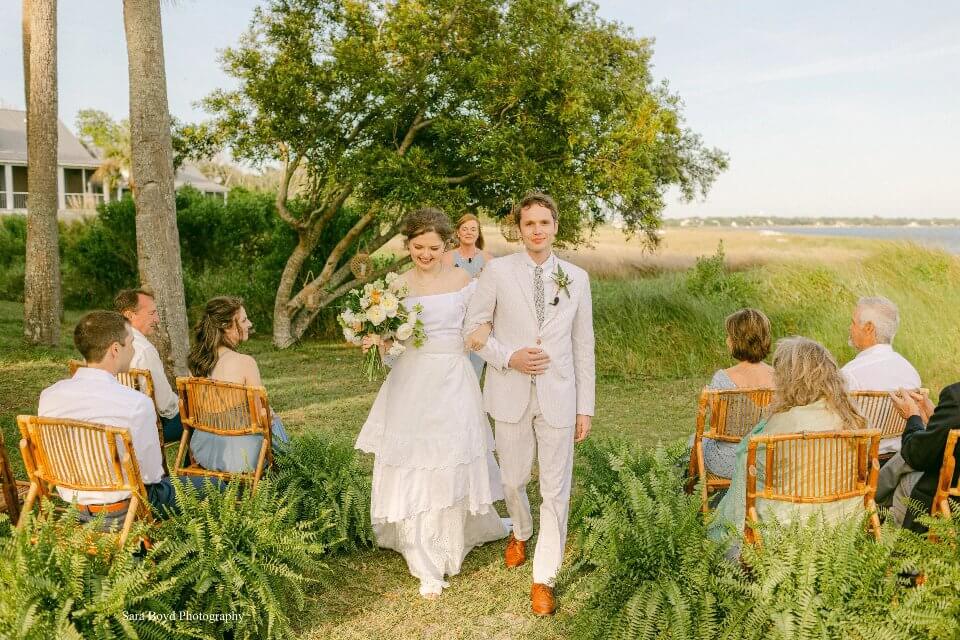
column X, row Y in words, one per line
column 877, row 407
column 814, row 468
column 732, row 414
column 946, row 486
column 83, row 456
column 139, row 380
column 11, row 490
column 224, row 409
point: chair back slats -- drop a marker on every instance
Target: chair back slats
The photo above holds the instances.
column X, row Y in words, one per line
column 79, row 455
column 734, row 412
column 223, row 408
column 813, row 468
column 878, row 408
column 946, row 487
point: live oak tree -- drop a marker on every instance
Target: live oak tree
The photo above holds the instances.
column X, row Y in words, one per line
column 389, row 105
column 151, row 157
column 41, row 291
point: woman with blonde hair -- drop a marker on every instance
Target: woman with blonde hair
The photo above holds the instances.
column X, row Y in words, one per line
column 810, row 396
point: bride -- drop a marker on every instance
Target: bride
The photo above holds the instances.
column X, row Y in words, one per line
column 434, row 477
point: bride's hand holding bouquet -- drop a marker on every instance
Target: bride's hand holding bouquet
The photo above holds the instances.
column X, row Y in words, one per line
column 375, row 315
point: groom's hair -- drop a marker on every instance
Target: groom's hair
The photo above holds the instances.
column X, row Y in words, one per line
column 536, row 197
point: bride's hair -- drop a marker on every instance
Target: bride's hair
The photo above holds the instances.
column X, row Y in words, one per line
column 219, row 315
column 427, row 220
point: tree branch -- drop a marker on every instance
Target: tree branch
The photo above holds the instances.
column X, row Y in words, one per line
column 460, row 179
column 298, row 300
column 283, row 191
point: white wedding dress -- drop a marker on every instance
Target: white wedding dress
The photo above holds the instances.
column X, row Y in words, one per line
column 434, row 476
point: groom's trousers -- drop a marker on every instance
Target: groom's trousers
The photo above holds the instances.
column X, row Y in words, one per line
column 517, row 443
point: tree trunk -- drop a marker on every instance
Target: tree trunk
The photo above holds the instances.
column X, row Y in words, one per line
column 41, row 288
column 283, row 336
column 158, row 240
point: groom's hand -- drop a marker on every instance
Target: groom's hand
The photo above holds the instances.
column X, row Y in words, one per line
column 583, row 428
column 530, row 361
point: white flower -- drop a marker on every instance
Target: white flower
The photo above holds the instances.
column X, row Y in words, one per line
column 390, row 304
column 396, row 350
column 349, row 334
column 376, row 315
column 367, row 288
column 358, row 341
column 392, row 276
column 365, row 302
column 404, row 331
column 347, row 317
column 360, row 318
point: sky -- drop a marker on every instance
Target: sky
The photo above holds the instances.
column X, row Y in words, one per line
column 826, row 108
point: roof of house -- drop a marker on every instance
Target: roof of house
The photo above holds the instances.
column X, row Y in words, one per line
column 190, row 174
column 13, row 142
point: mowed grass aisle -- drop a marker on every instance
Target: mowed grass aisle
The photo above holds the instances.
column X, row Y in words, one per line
column 317, row 387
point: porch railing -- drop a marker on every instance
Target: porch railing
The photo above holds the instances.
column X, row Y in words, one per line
column 83, row 201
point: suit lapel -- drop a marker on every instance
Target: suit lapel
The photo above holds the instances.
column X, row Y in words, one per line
column 525, row 282
column 550, row 292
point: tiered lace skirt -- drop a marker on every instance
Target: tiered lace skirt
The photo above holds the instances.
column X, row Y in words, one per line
column 435, row 478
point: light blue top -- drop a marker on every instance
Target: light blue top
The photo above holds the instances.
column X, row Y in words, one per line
column 470, row 265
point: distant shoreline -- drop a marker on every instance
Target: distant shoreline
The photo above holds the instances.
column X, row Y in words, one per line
column 841, row 223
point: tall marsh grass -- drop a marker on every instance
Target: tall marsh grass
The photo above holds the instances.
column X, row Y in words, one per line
column 671, row 326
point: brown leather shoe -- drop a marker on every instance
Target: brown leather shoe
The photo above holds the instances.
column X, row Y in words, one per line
column 516, row 553
column 542, row 601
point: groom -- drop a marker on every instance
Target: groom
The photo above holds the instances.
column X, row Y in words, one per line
column 540, row 383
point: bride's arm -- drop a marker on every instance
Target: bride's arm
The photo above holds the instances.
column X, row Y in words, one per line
column 478, row 338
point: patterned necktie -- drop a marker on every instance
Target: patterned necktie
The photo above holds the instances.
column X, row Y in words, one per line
column 538, row 293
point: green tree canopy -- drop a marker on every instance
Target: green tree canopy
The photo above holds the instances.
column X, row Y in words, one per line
column 461, row 104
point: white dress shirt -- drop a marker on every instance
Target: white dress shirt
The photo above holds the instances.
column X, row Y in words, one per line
column 145, row 356
column 880, row 368
column 93, row 395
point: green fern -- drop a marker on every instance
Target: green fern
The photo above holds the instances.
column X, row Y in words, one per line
column 324, row 482
column 245, row 557
column 59, row 579
column 649, row 570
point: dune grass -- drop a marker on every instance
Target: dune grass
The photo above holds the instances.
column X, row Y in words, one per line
column 658, row 339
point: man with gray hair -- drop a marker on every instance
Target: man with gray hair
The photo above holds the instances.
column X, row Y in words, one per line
column 877, row 367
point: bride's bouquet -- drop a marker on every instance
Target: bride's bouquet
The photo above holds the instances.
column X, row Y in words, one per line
column 377, row 310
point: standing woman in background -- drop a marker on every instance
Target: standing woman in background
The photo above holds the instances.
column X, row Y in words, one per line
column 470, row 256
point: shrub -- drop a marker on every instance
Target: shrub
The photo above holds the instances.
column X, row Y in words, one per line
column 61, row 580
column 322, row 477
column 648, row 569
column 240, row 556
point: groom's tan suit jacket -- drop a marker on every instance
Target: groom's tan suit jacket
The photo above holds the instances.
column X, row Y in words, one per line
column 505, row 297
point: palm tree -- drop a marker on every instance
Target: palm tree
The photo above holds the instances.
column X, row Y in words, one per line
column 41, row 288
column 158, row 241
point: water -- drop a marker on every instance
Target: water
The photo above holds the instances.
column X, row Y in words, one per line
column 945, row 237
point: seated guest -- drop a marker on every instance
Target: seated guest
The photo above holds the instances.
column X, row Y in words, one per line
column 913, row 473
column 93, row 394
column 809, row 397
column 221, row 329
column 140, row 310
column 877, row 366
column 748, row 340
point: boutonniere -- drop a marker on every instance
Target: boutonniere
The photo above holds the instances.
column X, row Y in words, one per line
column 562, row 280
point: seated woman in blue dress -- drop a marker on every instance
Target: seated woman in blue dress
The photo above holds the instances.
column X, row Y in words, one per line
column 748, row 340
column 810, row 396
column 224, row 326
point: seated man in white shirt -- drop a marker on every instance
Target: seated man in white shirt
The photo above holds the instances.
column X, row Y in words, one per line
column 140, row 310
column 877, row 367
column 93, row 394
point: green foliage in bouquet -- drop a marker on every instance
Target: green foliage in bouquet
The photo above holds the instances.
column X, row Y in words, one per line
column 62, row 580
column 243, row 556
column 325, row 483
column 649, row 571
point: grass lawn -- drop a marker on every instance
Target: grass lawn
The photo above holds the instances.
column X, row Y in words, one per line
column 317, row 387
